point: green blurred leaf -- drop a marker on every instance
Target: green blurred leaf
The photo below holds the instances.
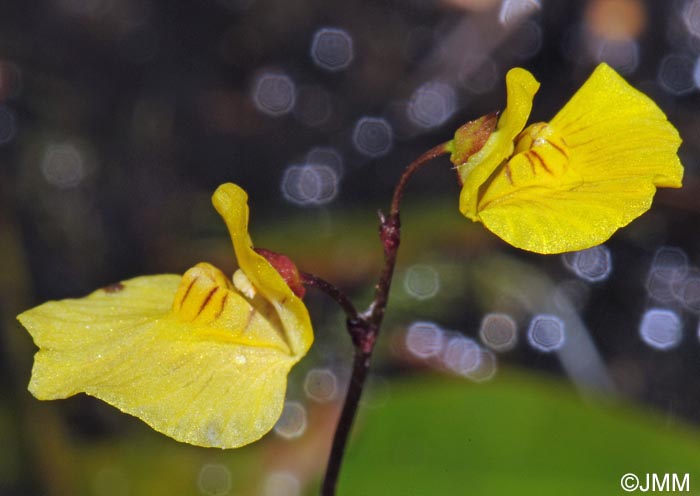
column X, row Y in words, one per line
column 519, row 434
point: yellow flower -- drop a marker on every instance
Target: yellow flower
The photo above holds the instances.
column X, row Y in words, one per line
column 571, row 183
column 200, row 357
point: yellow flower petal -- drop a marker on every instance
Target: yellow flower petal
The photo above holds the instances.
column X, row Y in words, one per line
column 593, row 169
column 521, row 87
column 614, row 131
column 550, row 220
column 190, row 356
column 232, row 204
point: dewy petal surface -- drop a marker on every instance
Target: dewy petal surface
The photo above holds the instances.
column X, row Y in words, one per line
column 590, row 171
column 615, row 131
column 521, row 87
column 189, row 355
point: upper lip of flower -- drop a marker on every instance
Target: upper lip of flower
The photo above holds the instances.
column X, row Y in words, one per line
column 232, row 204
column 521, row 87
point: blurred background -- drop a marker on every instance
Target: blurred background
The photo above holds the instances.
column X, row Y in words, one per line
column 498, row 370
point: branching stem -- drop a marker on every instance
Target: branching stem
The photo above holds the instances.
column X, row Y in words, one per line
column 332, row 291
column 364, row 328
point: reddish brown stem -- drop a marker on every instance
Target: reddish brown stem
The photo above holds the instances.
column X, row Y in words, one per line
column 364, row 328
column 332, row 291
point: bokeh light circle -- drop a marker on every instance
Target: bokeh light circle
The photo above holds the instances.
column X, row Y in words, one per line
column 274, row 94
column 660, row 328
column 214, row 480
column 546, row 333
column 321, row 385
column 676, row 74
column 292, row 423
column 432, row 104
column 332, row 49
column 498, row 331
column 593, row 264
column 421, row 282
column 424, row 339
column 373, row 136
column 462, row 355
column 311, row 184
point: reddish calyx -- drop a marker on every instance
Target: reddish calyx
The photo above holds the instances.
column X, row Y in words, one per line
column 471, row 137
column 286, row 268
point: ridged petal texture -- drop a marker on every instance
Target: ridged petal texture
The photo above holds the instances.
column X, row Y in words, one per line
column 521, row 87
column 190, row 355
column 570, row 184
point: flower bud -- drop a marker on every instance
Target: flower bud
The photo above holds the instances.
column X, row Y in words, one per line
column 470, row 137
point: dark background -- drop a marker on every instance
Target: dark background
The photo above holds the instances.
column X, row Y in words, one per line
column 118, row 119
